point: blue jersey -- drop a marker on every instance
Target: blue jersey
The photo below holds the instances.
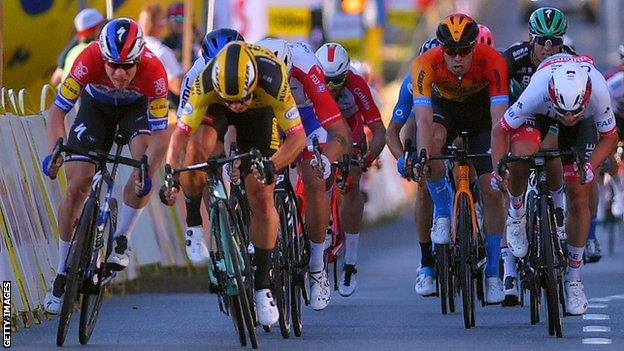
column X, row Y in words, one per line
column 403, row 108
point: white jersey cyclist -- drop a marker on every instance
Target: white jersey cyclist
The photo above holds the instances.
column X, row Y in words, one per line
column 616, row 88
column 535, row 99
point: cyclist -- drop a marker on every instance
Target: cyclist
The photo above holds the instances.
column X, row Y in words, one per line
column 547, row 26
column 485, row 36
column 121, row 85
column 201, row 145
column 568, row 91
column 402, row 115
column 462, row 76
column 321, row 119
column 356, row 103
column 246, row 86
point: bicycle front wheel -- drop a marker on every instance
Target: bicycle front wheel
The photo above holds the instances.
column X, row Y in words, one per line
column 77, row 260
column 282, row 267
column 464, row 237
column 442, row 262
column 547, row 235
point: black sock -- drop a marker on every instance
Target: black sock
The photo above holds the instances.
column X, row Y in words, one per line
column 264, row 260
column 193, row 210
column 426, row 259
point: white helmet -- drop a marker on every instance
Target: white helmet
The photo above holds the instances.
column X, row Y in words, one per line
column 280, row 48
column 334, row 59
column 569, row 89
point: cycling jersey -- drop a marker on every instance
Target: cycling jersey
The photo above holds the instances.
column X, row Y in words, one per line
column 521, row 66
column 356, row 100
column 272, row 91
column 433, row 78
column 89, row 72
column 403, row 108
column 616, row 90
column 187, row 82
column 535, row 98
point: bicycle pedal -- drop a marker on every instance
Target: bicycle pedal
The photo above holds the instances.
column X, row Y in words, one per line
column 491, row 303
column 435, row 294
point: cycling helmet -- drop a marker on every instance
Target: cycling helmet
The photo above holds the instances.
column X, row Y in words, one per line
column 216, row 40
column 621, row 51
column 457, row 30
column 280, row 48
column 334, row 59
column 175, row 9
column 121, row 41
column 569, row 89
column 548, row 21
column 429, row 44
column 234, row 72
column 485, row 36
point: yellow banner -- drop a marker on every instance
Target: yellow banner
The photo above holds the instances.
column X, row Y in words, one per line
column 404, row 19
column 289, row 21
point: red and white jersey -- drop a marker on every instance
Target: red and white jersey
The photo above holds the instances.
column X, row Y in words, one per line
column 307, row 84
column 356, row 99
column 89, row 72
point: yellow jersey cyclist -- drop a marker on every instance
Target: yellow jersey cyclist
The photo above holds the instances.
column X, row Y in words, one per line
column 461, row 86
column 247, row 86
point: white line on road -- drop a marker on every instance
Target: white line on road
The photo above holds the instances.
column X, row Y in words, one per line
column 596, row 329
column 597, row 341
column 597, row 305
column 596, row 317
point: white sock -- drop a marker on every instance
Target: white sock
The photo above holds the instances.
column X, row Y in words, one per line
column 317, row 251
column 63, row 251
column 575, row 261
column 516, row 206
column 509, row 263
column 351, row 247
column 558, row 196
column 128, row 217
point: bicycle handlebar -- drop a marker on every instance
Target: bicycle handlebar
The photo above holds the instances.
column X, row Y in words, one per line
column 547, row 154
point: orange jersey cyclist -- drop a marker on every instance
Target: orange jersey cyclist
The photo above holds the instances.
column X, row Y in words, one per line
column 462, row 86
column 246, row 86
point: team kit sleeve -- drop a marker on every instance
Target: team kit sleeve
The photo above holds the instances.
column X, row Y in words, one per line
column 422, row 78
column 192, row 113
column 363, row 98
column 156, row 94
column 497, row 75
column 325, row 106
column 285, row 110
column 603, row 116
column 86, row 67
column 403, row 107
column 615, row 84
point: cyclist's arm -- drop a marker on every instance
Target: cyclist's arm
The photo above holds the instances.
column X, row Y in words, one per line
column 400, row 114
column 289, row 121
column 422, row 79
column 604, row 120
column 55, row 125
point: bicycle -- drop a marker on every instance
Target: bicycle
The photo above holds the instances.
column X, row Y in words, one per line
column 464, row 257
column 545, row 263
column 230, row 264
column 92, row 240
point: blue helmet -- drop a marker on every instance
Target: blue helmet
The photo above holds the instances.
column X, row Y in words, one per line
column 214, row 41
column 429, row 44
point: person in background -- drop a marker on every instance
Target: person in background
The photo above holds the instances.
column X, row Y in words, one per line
column 88, row 23
column 175, row 19
column 152, row 21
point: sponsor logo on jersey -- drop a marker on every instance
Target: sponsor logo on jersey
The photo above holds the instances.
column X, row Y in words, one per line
column 81, row 70
column 159, row 107
column 519, row 52
column 410, row 88
column 419, row 82
column 363, row 98
column 160, row 86
column 292, row 114
column 187, row 108
column 70, row 89
column 605, row 123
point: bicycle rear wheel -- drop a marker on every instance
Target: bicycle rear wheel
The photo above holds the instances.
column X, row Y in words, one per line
column 75, row 268
column 91, row 302
column 464, row 237
column 550, row 275
column 236, row 252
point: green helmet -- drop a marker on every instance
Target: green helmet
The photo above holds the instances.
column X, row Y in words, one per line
column 548, row 21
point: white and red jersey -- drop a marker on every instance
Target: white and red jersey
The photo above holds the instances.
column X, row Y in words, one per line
column 356, row 100
column 535, row 98
column 89, row 73
column 307, row 84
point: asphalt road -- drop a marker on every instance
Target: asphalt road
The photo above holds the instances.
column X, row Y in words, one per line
column 383, row 314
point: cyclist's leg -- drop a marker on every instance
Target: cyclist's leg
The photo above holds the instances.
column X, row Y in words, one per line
column 584, row 136
column 554, row 177
column 255, row 128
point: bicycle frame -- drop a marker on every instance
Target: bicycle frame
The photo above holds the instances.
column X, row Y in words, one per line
column 462, row 186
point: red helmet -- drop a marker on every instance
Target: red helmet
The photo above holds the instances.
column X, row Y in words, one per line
column 485, row 36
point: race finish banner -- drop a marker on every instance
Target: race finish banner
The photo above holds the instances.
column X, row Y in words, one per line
column 290, row 20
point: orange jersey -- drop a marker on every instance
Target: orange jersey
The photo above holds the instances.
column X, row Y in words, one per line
column 430, row 75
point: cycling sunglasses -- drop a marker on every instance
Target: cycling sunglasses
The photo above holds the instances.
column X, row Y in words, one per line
column 542, row 40
column 124, row 66
column 462, row 52
column 574, row 113
column 177, row 18
column 335, row 82
column 243, row 101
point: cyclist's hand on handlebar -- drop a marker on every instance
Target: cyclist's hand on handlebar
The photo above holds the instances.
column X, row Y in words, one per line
column 168, row 196
column 322, row 169
column 232, row 172
column 141, row 189
column 499, row 183
column 589, row 171
column 51, row 169
column 266, row 175
column 401, row 166
column 346, row 186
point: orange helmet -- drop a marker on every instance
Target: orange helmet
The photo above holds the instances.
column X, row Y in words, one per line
column 457, row 30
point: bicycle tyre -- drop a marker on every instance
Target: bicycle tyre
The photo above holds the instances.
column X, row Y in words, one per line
column 91, row 303
column 464, row 235
column 550, row 276
column 299, row 261
column 442, row 261
column 282, row 268
column 75, row 269
column 534, row 297
column 236, row 250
